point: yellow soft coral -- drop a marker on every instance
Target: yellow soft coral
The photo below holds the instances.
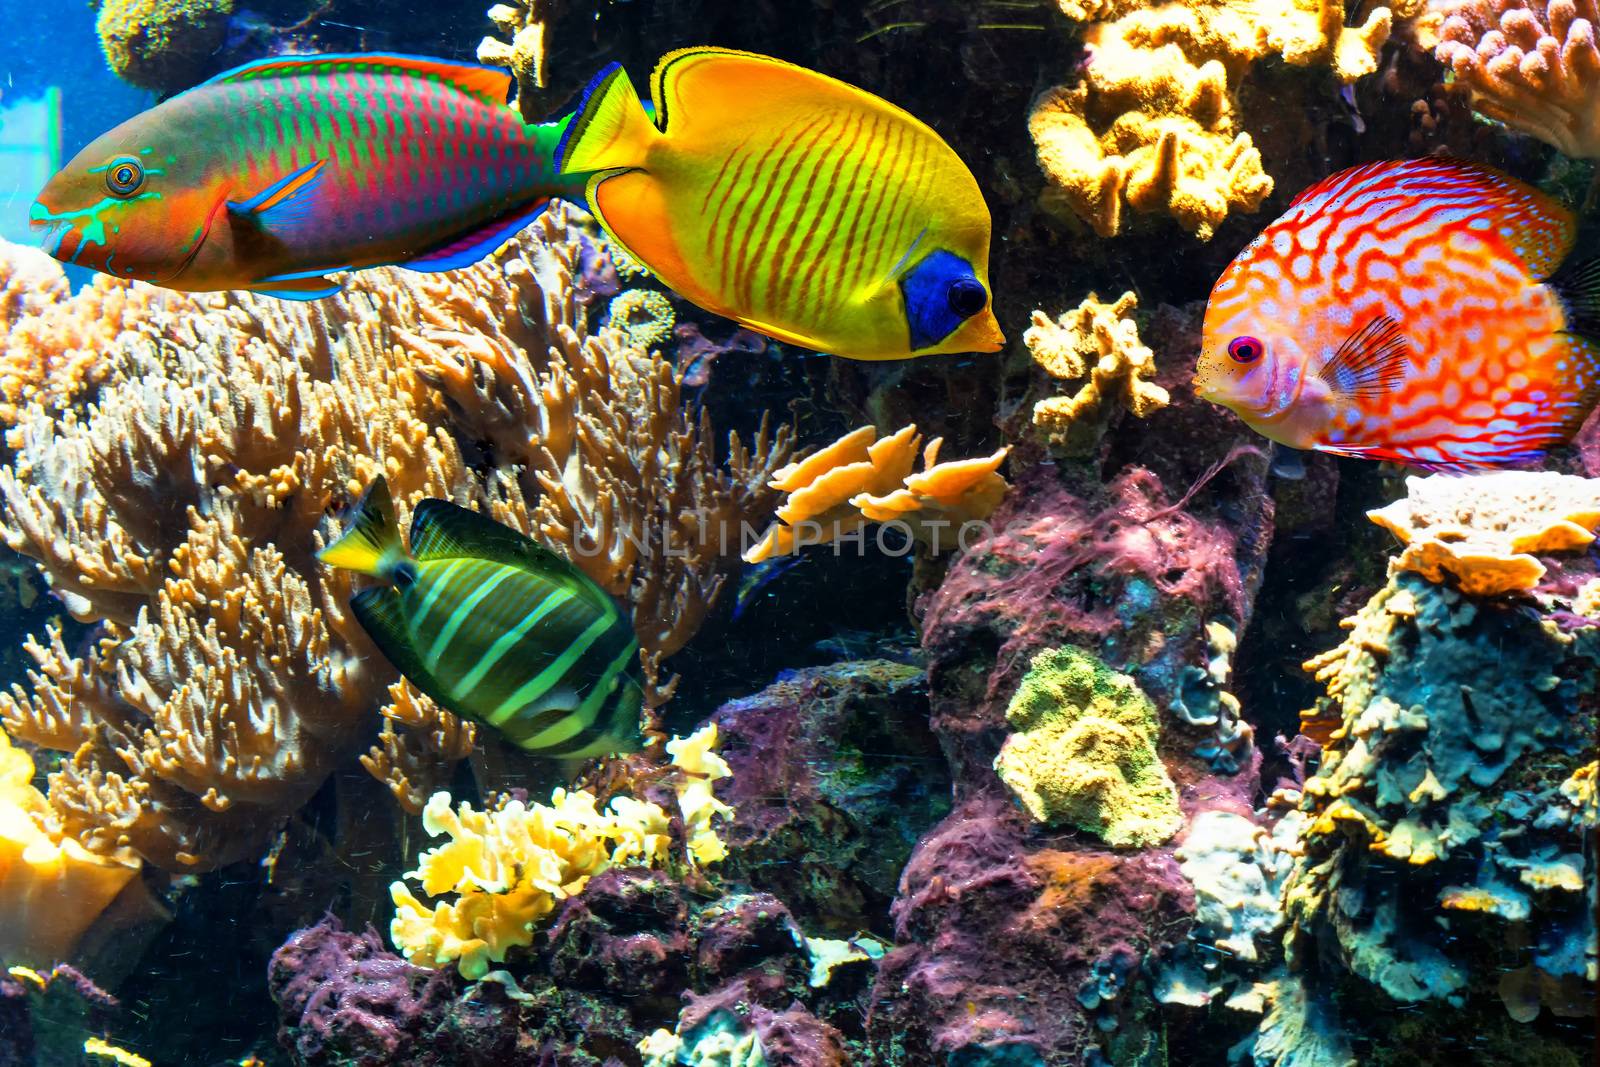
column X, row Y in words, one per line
column 510, row 867
column 859, row 479
column 1152, row 122
column 1102, row 341
column 1084, row 753
column 1483, row 529
column 51, row 888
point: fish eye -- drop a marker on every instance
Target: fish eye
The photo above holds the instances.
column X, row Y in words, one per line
column 124, row 176
column 1245, row 349
column 967, row 297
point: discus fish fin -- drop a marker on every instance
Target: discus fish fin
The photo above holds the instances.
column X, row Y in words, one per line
column 442, row 530
column 1371, row 362
column 283, row 203
column 473, row 245
column 1582, row 356
column 1577, row 284
column 487, row 83
column 610, row 129
column 370, row 543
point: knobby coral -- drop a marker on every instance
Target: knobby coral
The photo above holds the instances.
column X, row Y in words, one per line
column 526, row 49
column 835, row 492
column 182, row 511
column 51, row 887
column 1102, row 341
column 1532, row 64
column 162, row 45
column 510, row 866
column 1483, row 529
column 1152, row 124
column 1084, row 751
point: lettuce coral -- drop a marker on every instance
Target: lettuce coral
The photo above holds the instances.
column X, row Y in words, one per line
column 835, row 492
column 51, row 887
column 1084, row 752
column 1532, row 64
column 1152, row 122
column 510, row 867
column 1484, row 529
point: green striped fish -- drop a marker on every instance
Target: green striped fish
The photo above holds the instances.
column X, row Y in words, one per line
column 495, row 627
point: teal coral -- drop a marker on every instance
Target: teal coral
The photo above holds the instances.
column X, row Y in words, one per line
column 720, row 1041
column 1084, row 753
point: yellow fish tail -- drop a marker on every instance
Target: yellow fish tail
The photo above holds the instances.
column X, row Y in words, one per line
column 370, row 543
column 610, row 130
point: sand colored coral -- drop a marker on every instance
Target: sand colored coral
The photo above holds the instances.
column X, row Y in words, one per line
column 524, row 48
column 859, row 479
column 511, row 866
column 1151, row 124
column 1084, row 752
column 183, row 510
column 1532, row 64
column 163, row 45
column 1102, row 341
column 51, row 887
column 1483, row 530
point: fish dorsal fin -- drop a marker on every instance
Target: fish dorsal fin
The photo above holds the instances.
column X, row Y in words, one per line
column 705, row 85
column 442, row 530
column 490, row 84
column 1371, row 363
column 380, row 610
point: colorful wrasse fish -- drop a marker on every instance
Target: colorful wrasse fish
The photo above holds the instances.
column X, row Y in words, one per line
column 793, row 203
column 272, row 175
column 495, row 628
column 1424, row 311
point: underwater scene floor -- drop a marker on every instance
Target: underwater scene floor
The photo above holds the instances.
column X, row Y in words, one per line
column 781, row 533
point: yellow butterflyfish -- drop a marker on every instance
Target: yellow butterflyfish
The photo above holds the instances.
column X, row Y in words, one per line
column 789, row 201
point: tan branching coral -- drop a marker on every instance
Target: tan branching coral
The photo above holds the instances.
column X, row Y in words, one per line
column 1532, row 64
column 858, row 479
column 1102, row 341
column 1483, row 529
column 183, row 510
column 1152, row 122
column 525, row 50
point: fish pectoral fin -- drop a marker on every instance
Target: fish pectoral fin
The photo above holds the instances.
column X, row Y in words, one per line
column 467, row 248
column 285, row 202
column 1372, row 362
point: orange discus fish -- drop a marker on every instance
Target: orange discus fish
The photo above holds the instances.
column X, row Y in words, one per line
column 1425, row 311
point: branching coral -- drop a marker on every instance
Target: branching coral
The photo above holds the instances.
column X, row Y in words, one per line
column 1084, row 753
column 526, row 49
column 835, row 492
column 1532, row 64
column 51, row 888
column 184, row 508
column 509, row 867
column 1483, row 529
column 1152, row 123
column 1102, row 341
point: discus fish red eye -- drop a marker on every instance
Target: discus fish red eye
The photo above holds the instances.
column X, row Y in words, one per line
column 1245, row 349
column 124, row 176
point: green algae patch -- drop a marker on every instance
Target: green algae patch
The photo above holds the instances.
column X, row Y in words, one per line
column 1084, row 752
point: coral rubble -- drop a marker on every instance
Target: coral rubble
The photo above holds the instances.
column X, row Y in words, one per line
column 835, row 492
column 1084, row 752
column 1102, row 341
column 1532, row 64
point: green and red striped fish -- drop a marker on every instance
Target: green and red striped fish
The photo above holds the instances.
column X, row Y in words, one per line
column 495, row 628
column 273, row 175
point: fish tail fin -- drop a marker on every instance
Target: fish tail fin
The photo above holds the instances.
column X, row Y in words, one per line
column 610, row 129
column 370, row 543
column 1577, row 284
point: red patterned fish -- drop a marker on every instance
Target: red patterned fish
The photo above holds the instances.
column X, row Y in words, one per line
column 273, row 175
column 1425, row 311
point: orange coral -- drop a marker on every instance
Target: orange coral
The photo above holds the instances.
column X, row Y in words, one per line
column 859, row 479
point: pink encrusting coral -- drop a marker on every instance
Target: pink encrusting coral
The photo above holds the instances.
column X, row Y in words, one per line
column 1532, row 64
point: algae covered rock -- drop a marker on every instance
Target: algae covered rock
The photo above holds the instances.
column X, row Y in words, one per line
column 1084, row 753
column 162, row 45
